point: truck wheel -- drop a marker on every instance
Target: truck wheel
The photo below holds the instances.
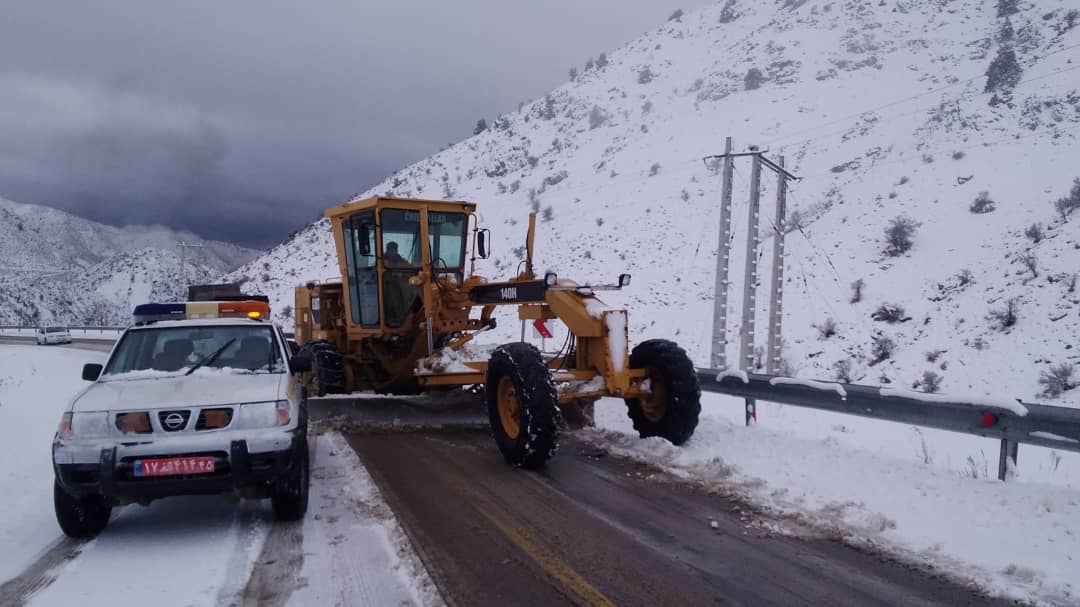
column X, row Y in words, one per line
column 81, row 517
column 328, row 368
column 289, row 498
column 672, row 410
column 523, row 405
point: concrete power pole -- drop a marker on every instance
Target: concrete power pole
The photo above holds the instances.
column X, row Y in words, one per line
column 720, row 292
column 753, row 238
column 776, row 295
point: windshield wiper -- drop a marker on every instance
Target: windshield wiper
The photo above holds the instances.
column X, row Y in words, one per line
column 210, row 359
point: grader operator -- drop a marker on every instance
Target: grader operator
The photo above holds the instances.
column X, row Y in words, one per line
column 405, row 302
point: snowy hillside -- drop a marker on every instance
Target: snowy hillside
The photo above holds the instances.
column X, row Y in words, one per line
column 909, row 108
column 55, row 267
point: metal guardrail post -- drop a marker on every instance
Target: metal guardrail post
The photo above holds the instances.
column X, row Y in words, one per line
column 1009, row 451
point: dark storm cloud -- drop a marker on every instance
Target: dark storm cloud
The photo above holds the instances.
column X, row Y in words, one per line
column 242, row 120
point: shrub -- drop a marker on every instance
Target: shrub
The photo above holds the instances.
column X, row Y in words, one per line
column 933, row 355
column 654, row 170
column 882, row 349
column 597, row 117
column 589, row 64
column 1035, row 232
column 957, row 155
column 754, row 79
column 573, row 74
column 481, row 126
column 1031, row 262
column 964, row 278
column 645, row 75
column 646, row 107
column 1003, row 73
column 601, row 61
column 1058, row 380
column 982, row 203
column 856, row 290
column 547, row 112
column 899, row 236
column 929, row 383
column 1004, row 318
column 890, row 313
column 842, row 371
column 599, row 222
column 287, row 311
column 826, row 329
column 549, row 213
column 676, row 15
column 1067, row 204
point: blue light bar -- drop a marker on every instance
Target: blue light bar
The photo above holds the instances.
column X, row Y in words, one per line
column 154, row 312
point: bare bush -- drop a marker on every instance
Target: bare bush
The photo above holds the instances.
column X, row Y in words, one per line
column 965, row 278
column 1004, row 318
column 890, row 313
column 856, row 290
column 826, row 329
column 1035, row 232
column 645, row 75
column 1031, row 262
column 754, row 79
column 676, row 15
column 654, row 170
column 842, row 371
column 1067, row 204
column 882, row 349
column 1072, row 284
column 549, row 213
column 1058, row 379
column 930, row 382
column 933, row 355
column 899, row 235
column 957, row 155
column 597, row 117
column 1004, row 73
column 982, row 204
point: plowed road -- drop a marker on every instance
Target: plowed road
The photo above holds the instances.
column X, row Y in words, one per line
column 594, row 530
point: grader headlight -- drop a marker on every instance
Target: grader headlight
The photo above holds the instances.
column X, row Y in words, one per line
column 551, row 278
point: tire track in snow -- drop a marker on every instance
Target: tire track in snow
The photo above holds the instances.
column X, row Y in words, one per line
column 274, row 576
column 41, row 573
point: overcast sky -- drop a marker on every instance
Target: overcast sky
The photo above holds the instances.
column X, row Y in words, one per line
column 242, row 120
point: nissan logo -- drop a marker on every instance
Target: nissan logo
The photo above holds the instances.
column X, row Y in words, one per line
column 174, row 421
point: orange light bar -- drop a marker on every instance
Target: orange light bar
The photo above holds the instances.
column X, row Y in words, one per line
column 244, row 309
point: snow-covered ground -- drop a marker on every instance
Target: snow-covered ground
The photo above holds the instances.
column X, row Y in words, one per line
column 928, row 495
column 189, row 550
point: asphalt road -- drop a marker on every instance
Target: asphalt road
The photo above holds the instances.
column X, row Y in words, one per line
column 97, row 345
column 591, row 529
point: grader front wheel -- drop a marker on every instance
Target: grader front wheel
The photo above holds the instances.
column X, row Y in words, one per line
column 671, row 410
column 523, row 405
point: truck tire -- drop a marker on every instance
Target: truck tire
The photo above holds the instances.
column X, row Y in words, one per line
column 289, row 498
column 80, row 517
column 672, row 410
column 328, row 367
column 523, row 405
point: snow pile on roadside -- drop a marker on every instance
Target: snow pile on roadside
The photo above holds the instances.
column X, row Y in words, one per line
column 889, row 486
column 355, row 551
column 35, row 386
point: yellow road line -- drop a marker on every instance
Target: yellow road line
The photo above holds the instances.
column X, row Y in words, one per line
column 583, row 592
column 579, row 589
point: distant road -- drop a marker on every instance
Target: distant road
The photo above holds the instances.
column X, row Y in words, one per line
column 78, row 343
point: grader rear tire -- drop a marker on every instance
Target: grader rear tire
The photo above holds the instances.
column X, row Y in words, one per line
column 523, row 405
column 673, row 408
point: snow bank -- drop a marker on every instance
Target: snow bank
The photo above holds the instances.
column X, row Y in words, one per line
column 974, row 401
column 810, row 383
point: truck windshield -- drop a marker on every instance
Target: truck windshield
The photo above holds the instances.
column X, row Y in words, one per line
column 244, row 349
column 401, row 239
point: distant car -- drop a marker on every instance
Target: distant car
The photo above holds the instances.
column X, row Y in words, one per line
column 52, row 335
column 183, row 407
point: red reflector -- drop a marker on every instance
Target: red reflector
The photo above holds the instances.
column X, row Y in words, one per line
column 989, row 419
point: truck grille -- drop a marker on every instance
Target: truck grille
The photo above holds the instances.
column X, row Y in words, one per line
column 174, row 421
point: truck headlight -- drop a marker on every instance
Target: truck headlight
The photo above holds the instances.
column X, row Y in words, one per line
column 263, row 415
column 84, row 425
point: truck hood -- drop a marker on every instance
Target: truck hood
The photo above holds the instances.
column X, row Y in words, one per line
column 173, row 392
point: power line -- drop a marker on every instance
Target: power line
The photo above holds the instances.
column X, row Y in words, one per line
column 903, row 100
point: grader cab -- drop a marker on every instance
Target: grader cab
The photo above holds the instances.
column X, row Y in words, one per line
column 405, row 309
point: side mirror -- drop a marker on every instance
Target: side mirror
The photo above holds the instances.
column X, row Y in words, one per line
column 481, row 244
column 91, row 372
column 365, row 240
column 300, row 363
column 624, row 280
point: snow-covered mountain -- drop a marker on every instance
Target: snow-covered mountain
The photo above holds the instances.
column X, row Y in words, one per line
column 907, row 108
column 56, row 267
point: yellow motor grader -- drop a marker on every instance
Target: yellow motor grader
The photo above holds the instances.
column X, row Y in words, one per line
column 400, row 319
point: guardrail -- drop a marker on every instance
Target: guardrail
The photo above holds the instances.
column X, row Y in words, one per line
column 1008, row 420
column 87, row 329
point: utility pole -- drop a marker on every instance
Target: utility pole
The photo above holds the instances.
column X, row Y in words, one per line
column 183, row 263
column 776, row 294
column 720, row 292
column 753, row 238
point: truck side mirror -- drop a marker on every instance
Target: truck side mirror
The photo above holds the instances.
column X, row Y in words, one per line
column 91, row 372
column 365, row 240
column 481, row 243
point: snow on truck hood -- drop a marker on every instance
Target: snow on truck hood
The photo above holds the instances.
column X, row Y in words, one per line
column 196, row 390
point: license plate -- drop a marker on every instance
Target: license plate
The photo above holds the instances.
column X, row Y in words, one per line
column 174, row 466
